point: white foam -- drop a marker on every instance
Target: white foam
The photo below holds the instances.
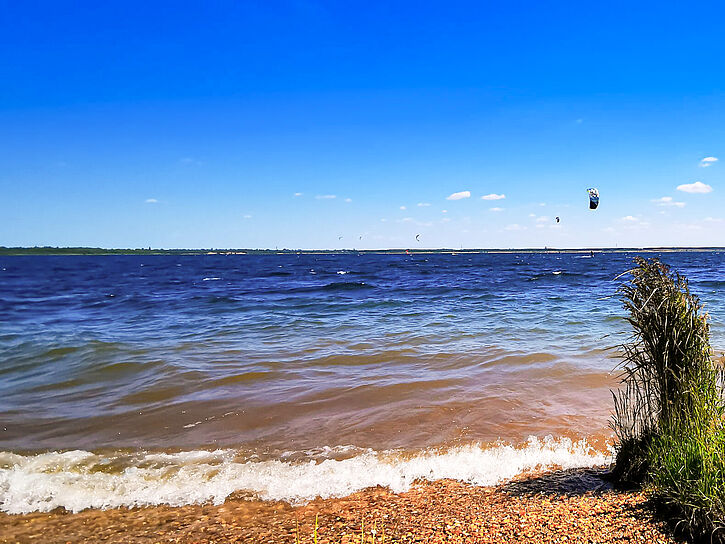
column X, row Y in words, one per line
column 77, row 480
column 211, row 279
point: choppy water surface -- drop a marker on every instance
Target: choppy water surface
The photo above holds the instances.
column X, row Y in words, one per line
column 182, row 379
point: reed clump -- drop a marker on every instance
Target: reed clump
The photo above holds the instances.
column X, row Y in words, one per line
column 668, row 414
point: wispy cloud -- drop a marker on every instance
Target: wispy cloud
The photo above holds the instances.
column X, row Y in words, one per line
column 697, row 187
column 298, row 194
column 460, row 195
column 247, row 216
column 668, row 201
column 325, row 197
column 495, row 209
column 403, row 207
column 423, row 204
column 444, row 211
column 514, row 226
column 414, row 222
column 348, row 200
column 633, row 222
column 189, row 160
column 151, row 201
column 493, row 196
column 708, row 161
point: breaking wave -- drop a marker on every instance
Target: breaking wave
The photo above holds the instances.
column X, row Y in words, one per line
column 76, row 480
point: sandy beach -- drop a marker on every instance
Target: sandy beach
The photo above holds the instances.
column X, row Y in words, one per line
column 562, row 506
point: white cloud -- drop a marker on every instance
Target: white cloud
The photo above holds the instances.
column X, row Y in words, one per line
column 189, row 160
column 697, row 187
column 542, row 203
column 325, row 197
column 708, row 161
column 633, row 222
column 514, row 226
column 423, row 204
column 668, row 201
column 414, row 222
column 460, row 195
column 444, row 211
column 151, row 201
column 532, row 215
column 298, row 194
column 348, row 200
column 445, row 220
column 247, row 216
column 496, row 209
column 493, row 196
column 542, row 219
column 579, row 121
column 403, row 207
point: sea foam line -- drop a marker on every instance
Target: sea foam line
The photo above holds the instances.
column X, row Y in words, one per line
column 77, row 480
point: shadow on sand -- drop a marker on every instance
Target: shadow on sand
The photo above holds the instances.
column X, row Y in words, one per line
column 576, row 481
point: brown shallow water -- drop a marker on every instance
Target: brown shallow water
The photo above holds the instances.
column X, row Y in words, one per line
column 499, row 395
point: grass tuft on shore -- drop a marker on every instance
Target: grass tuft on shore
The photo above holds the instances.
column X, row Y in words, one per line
column 668, row 414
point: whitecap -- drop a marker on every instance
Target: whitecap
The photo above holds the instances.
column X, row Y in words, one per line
column 76, row 480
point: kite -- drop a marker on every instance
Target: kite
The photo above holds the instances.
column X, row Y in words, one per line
column 593, row 198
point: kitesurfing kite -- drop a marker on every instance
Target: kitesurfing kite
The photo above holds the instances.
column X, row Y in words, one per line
column 417, row 237
column 557, row 218
column 593, row 198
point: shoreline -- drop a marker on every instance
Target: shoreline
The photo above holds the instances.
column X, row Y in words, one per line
column 575, row 505
column 90, row 251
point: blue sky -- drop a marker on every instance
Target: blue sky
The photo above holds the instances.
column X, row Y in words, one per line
column 225, row 124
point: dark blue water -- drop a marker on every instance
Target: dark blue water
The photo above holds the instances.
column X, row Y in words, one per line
column 283, row 357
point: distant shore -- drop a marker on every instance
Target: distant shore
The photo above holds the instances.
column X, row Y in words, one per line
column 47, row 250
column 561, row 506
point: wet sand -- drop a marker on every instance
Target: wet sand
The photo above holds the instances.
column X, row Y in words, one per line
column 562, row 506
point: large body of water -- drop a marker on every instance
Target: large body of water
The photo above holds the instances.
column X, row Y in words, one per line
column 162, row 379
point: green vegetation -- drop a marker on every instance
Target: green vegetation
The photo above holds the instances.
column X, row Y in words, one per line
column 668, row 416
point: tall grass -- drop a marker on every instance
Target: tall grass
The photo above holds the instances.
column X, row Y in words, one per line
column 668, row 414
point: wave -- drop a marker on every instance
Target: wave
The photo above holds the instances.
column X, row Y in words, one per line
column 346, row 285
column 333, row 286
column 76, row 480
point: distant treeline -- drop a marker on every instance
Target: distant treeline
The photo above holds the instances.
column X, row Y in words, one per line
column 47, row 250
